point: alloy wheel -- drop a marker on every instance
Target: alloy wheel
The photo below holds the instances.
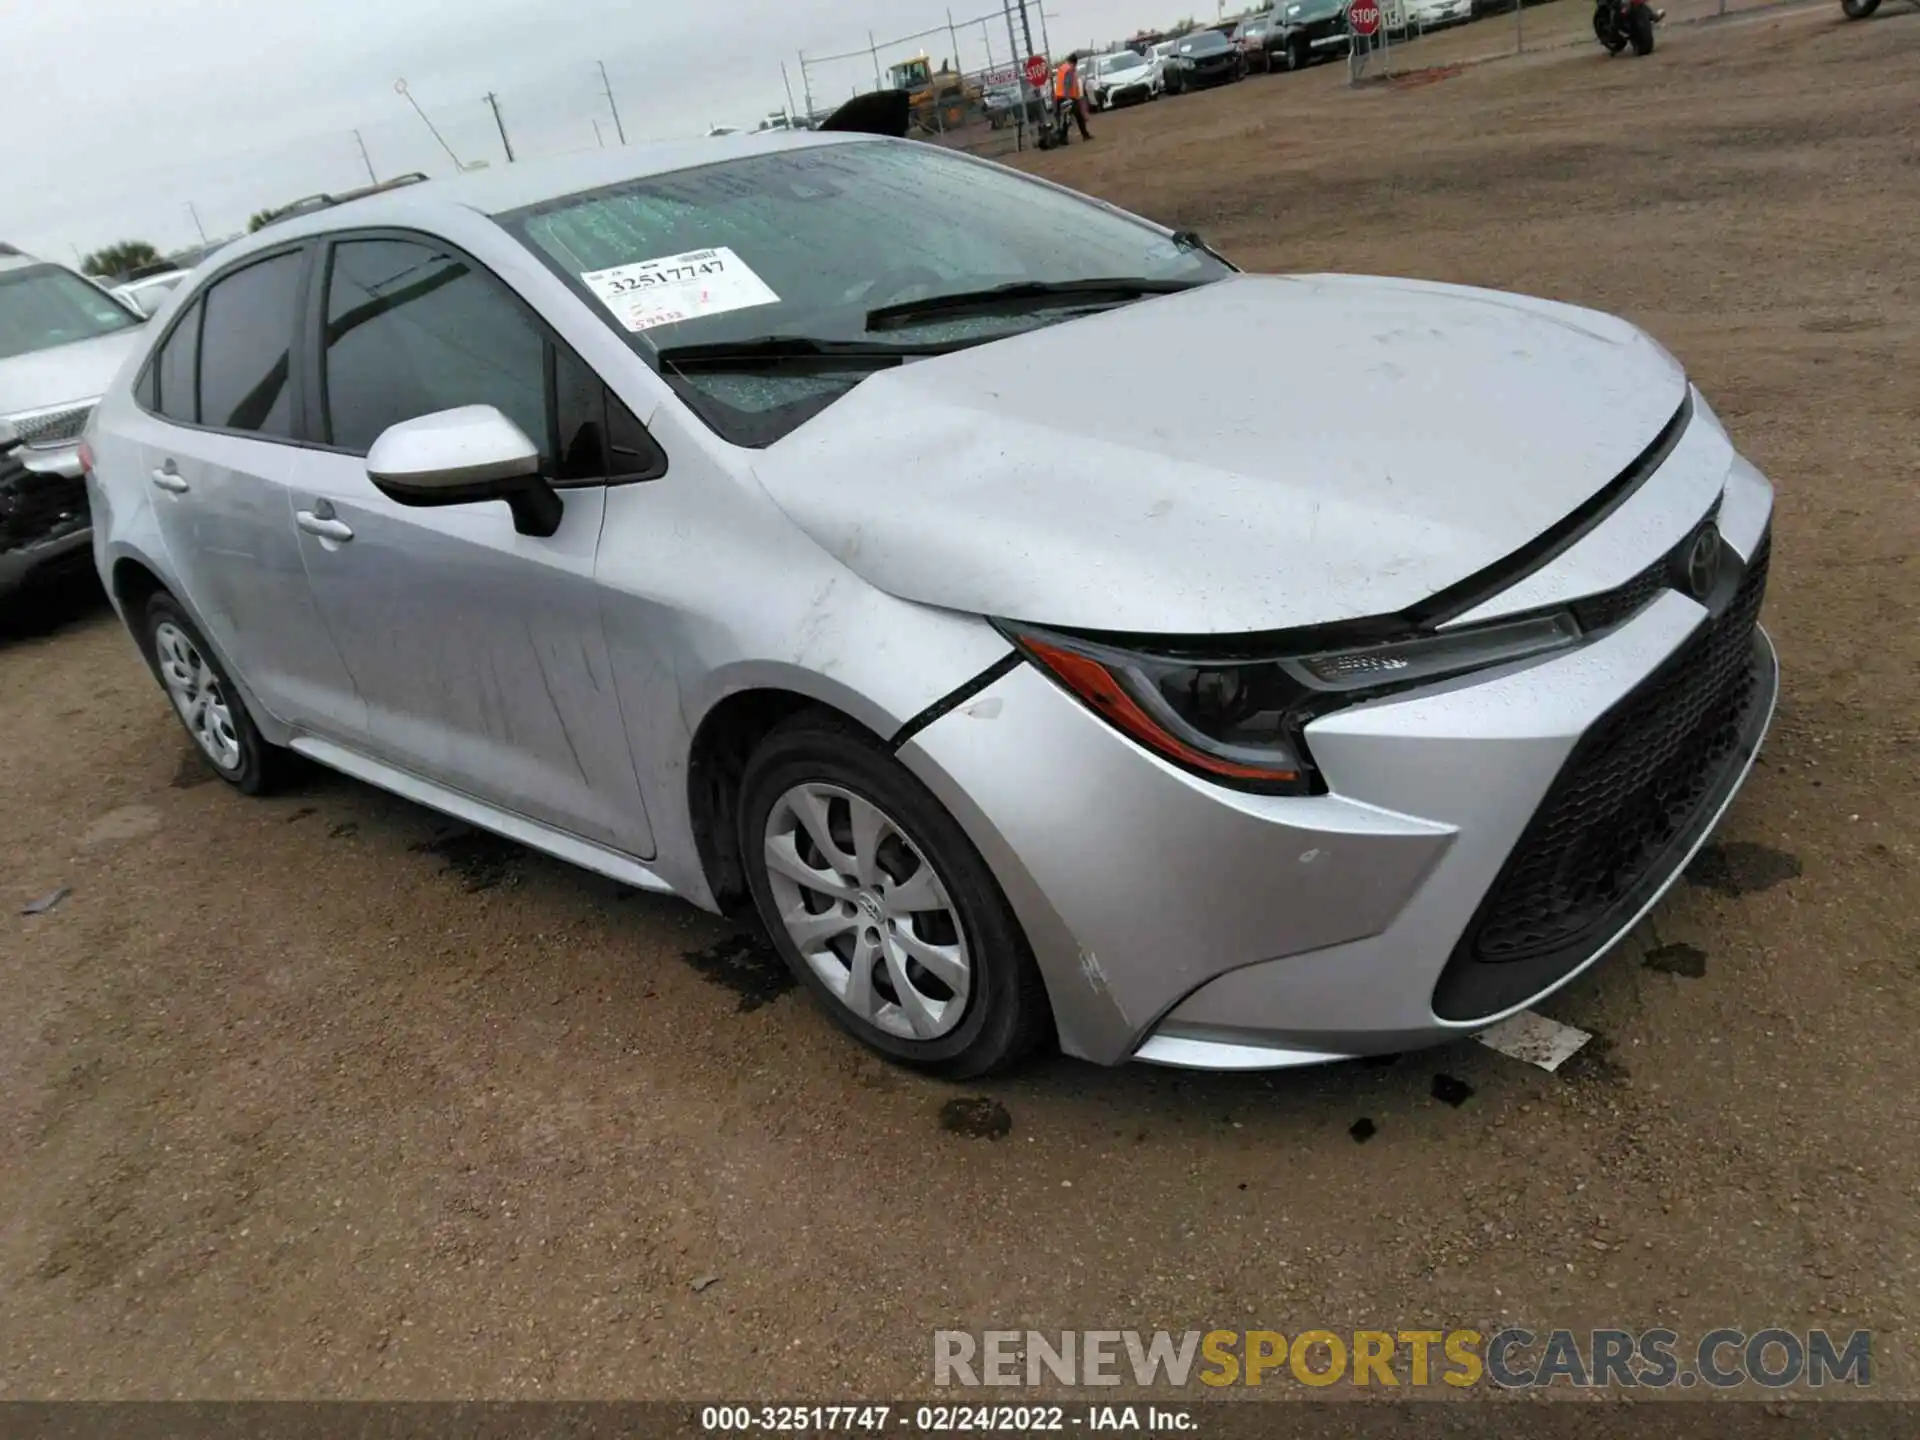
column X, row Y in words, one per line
column 867, row 911
column 197, row 694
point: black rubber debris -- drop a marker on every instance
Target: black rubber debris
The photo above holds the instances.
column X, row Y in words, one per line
column 978, row 1117
column 1449, row 1090
column 1362, row 1130
column 1687, row 960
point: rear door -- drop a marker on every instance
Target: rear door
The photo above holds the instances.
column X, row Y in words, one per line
column 479, row 650
column 220, row 437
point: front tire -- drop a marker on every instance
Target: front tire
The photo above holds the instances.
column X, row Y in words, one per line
column 881, row 905
column 206, row 701
column 1859, row 9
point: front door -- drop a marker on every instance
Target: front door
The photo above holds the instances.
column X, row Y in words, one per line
column 478, row 650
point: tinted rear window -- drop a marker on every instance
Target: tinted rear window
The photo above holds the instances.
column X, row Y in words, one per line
column 246, row 345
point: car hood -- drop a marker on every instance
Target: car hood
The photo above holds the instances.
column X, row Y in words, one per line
column 67, row 373
column 1260, row 453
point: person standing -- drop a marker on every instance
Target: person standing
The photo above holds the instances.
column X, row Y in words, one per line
column 1067, row 91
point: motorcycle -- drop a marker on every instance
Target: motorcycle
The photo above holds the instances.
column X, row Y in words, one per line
column 1058, row 128
column 1620, row 23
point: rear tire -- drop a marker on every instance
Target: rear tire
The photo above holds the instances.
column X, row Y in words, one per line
column 206, row 701
column 1858, row 9
column 975, row 1004
column 1297, row 54
column 1640, row 29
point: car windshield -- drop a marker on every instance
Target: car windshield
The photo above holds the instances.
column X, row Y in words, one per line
column 42, row 306
column 1204, row 44
column 1113, row 64
column 807, row 244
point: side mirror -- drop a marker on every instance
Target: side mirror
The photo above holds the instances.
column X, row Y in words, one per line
column 460, row 457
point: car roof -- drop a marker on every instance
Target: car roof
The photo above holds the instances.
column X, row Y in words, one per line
column 531, row 182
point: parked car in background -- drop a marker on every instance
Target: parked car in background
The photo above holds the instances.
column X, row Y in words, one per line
column 62, row 337
column 146, row 293
column 1204, row 58
column 1311, row 30
column 1259, row 39
column 1437, row 14
column 1123, row 78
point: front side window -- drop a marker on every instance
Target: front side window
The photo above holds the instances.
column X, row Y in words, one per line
column 414, row 328
column 246, row 346
column 805, row 245
column 42, row 306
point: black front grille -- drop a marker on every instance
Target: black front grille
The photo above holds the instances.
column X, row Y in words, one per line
column 1604, row 611
column 1637, row 788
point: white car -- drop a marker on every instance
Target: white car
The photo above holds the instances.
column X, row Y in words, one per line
column 1123, row 78
column 146, row 294
column 1433, row 14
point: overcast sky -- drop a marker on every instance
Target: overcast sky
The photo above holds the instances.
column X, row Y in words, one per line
column 122, row 113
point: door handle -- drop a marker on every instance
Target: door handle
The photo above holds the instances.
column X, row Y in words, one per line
column 169, row 479
column 324, row 526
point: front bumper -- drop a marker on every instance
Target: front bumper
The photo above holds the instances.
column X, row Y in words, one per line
column 1180, row 922
column 1117, row 95
column 45, row 522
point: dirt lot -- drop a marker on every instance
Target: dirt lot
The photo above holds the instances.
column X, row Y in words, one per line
column 316, row 1096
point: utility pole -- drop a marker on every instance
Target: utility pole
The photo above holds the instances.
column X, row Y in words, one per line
column 874, row 50
column 501, row 126
column 618, row 128
column 1026, row 31
column 598, row 136
column 787, row 85
column 953, row 39
column 366, row 159
column 1020, row 73
column 400, row 89
column 1046, row 41
column 806, row 84
column 196, row 222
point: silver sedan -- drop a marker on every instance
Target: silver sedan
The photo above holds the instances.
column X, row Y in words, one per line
column 1083, row 643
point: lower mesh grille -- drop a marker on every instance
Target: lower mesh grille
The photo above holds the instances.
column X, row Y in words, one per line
column 1634, row 789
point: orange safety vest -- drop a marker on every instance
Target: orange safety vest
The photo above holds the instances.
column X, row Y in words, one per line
column 1062, row 90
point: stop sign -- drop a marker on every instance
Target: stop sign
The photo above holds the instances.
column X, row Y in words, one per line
column 1037, row 68
column 1363, row 16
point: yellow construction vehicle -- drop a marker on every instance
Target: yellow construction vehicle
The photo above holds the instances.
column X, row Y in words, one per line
column 940, row 99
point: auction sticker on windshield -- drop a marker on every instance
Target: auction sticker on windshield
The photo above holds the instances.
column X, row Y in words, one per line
column 699, row 283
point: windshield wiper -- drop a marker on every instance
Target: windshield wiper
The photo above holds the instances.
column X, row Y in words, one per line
column 799, row 351
column 1024, row 295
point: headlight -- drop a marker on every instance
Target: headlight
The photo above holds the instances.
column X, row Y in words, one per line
column 1240, row 721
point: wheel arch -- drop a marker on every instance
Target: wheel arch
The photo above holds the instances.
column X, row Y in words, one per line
column 723, row 741
column 132, row 582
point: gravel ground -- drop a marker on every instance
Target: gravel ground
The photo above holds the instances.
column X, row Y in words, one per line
column 321, row 1096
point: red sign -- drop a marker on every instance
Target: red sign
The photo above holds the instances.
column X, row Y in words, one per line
column 1363, row 17
column 1037, row 68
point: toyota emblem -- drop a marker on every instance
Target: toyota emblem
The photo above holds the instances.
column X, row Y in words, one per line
column 1701, row 566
